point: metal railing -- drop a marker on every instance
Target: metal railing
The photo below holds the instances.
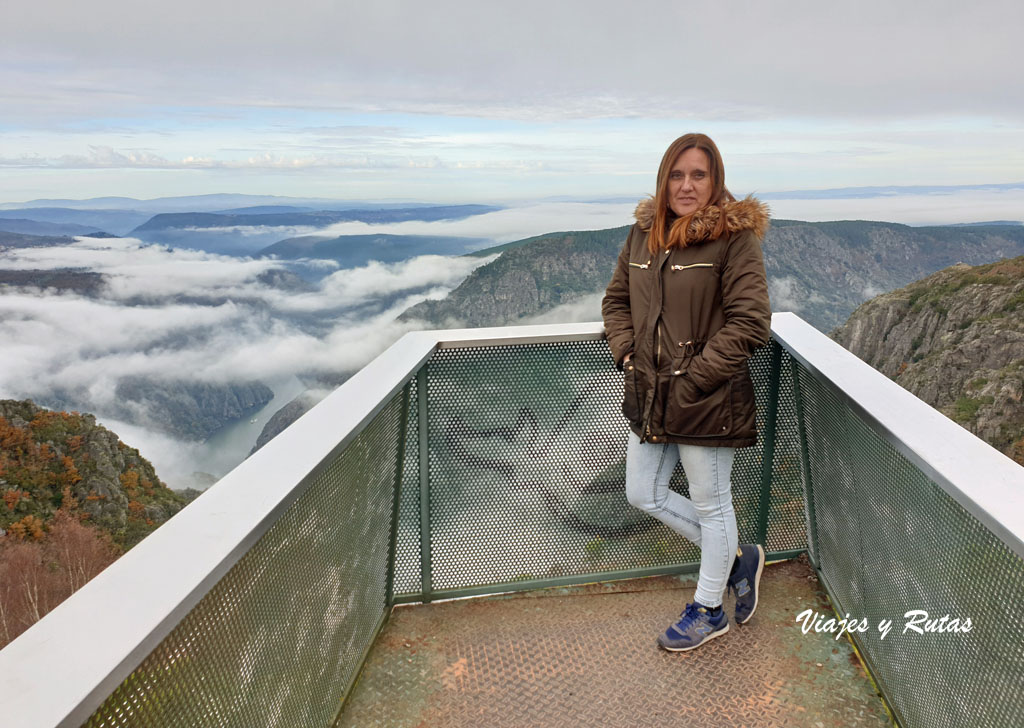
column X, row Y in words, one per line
column 477, row 461
column 909, row 512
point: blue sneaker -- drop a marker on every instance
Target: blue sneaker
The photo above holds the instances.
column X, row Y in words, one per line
column 695, row 627
column 744, row 580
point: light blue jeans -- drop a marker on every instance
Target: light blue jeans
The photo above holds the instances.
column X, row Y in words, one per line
column 706, row 518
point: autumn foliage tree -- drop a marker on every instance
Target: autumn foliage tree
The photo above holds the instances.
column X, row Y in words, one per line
column 37, row 574
column 45, row 455
column 72, row 498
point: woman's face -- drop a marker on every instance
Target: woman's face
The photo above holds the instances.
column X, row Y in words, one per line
column 689, row 182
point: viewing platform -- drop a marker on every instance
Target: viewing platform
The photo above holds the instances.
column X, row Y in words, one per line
column 586, row 656
column 325, row 580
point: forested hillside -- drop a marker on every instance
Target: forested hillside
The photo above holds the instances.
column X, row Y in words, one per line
column 74, row 497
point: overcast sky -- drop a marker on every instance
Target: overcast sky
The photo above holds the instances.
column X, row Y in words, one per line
column 459, row 100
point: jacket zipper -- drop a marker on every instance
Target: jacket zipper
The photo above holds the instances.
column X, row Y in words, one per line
column 693, row 265
column 657, row 351
column 645, row 266
column 657, row 363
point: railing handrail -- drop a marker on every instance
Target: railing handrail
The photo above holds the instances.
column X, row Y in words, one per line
column 987, row 483
column 122, row 614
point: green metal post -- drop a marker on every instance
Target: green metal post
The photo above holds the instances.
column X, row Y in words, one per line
column 805, row 464
column 426, row 573
column 768, row 452
column 403, row 418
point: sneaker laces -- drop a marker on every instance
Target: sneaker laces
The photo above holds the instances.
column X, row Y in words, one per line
column 690, row 615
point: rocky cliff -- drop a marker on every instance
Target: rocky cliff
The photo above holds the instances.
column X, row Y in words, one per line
column 60, row 280
column 956, row 340
column 530, row 277
column 190, row 410
column 64, row 460
column 284, row 417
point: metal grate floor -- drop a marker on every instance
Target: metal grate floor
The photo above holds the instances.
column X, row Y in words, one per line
column 586, row 656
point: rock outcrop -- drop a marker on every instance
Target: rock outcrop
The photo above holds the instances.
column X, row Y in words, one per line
column 190, row 410
column 52, row 460
column 956, row 340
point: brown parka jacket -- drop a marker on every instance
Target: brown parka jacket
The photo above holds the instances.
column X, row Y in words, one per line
column 691, row 316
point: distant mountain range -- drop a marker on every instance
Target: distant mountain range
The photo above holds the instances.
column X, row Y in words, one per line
column 25, row 240
column 250, row 233
column 840, row 193
column 36, row 227
column 302, row 218
column 355, row 250
column 207, row 203
column 822, row 271
column 225, row 202
column 209, row 223
column 118, row 222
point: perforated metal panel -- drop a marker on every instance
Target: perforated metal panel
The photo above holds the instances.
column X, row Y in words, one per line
column 407, row 559
column 527, row 470
column 513, row 460
column 786, row 518
column 890, row 540
column 278, row 639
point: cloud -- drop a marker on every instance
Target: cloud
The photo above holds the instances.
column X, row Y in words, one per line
column 171, row 314
column 514, row 61
column 460, row 101
column 105, row 157
column 587, row 308
column 376, row 279
column 870, row 291
column 174, row 315
column 506, row 225
column 783, row 294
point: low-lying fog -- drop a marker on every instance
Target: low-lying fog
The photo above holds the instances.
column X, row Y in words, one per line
column 173, row 314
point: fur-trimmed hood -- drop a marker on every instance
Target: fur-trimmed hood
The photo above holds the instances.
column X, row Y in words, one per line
column 747, row 214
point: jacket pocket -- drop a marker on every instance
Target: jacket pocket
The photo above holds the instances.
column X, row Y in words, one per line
column 744, row 403
column 631, row 409
column 691, row 412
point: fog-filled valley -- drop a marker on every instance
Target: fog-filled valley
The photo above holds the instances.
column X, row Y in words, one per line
column 185, row 340
column 189, row 332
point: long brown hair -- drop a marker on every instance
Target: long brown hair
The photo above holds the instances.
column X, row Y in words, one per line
column 676, row 234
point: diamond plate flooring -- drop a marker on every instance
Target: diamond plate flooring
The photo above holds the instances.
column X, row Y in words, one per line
column 586, row 656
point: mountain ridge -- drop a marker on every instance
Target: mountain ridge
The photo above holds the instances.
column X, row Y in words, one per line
column 955, row 339
column 821, row 271
column 316, row 219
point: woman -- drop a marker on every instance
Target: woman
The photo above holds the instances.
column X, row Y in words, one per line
column 685, row 309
